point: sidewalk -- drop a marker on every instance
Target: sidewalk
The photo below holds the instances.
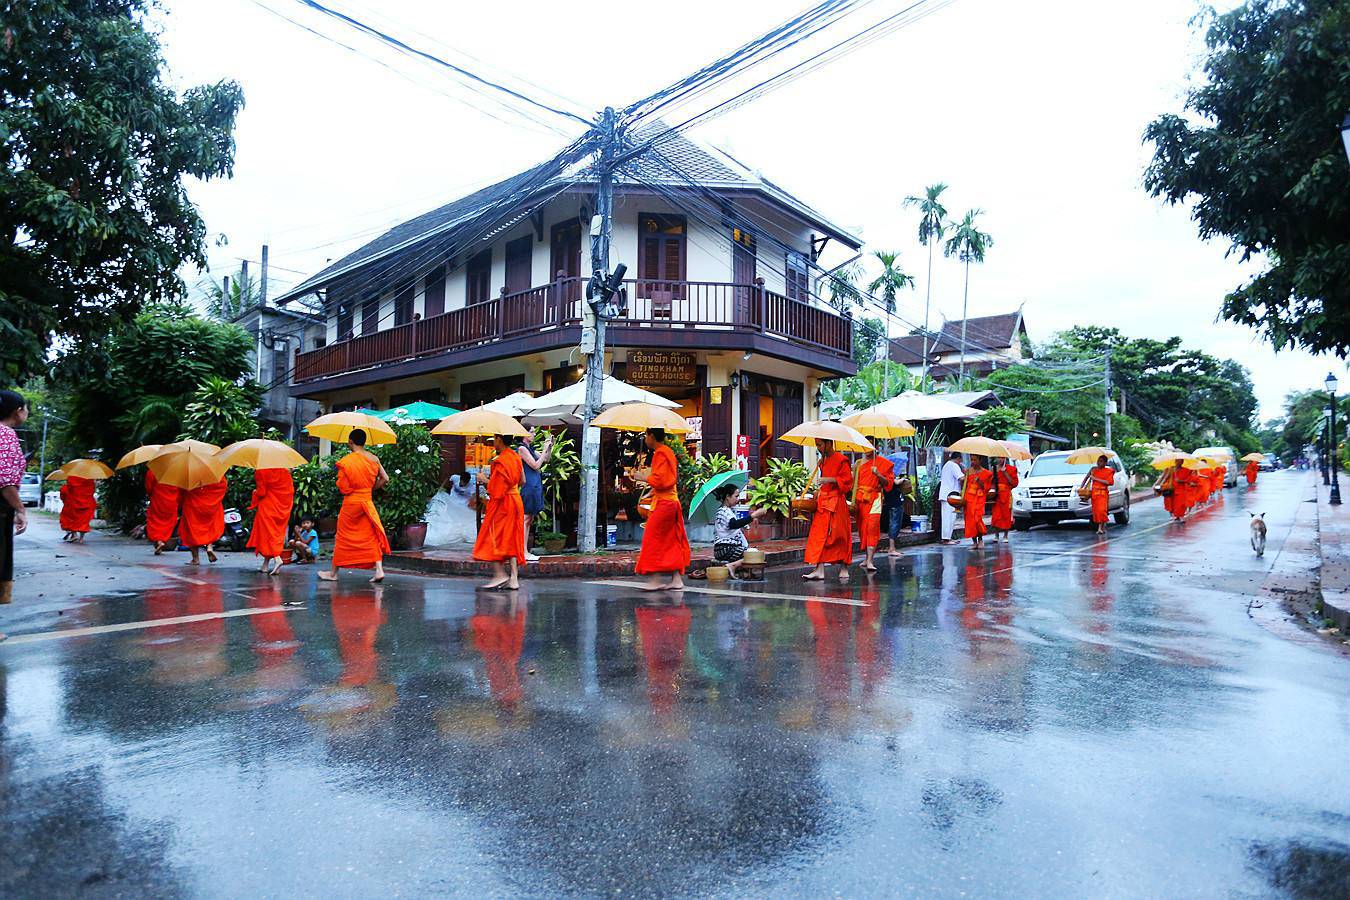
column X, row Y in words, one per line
column 1333, row 532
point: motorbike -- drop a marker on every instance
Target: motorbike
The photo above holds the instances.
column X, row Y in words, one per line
column 236, row 535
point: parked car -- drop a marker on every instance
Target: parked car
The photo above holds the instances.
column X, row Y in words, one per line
column 1270, row 463
column 1230, row 478
column 30, row 489
column 1049, row 492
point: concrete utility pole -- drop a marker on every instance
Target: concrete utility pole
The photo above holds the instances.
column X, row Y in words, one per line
column 1107, row 405
column 593, row 332
column 262, row 286
column 42, row 462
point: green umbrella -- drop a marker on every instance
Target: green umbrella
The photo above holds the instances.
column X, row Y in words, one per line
column 704, row 506
column 421, row 411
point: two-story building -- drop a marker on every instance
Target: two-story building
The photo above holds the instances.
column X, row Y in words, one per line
column 483, row 297
column 990, row 343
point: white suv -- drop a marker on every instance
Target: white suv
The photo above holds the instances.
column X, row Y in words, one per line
column 1049, row 492
column 30, row 489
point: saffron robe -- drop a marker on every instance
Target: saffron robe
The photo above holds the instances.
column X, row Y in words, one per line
column 1167, row 486
column 361, row 541
column 1100, row 479
column 161, row 517
column 975, row 494
column 665, row 546
column 1005, row 480
column 273, row 496
column 1253, row 468
column 831, row 537
column 1184, row 494
column 875, row 476
column 77, row 504
column 203, row 515
column 1204, row 484
column 502, row 534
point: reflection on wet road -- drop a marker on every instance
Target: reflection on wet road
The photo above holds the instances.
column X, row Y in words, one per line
column 1056, row 717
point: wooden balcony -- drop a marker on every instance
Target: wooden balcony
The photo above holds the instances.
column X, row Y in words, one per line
column 548, row 316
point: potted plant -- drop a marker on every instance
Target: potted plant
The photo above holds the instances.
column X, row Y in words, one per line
column 562, row 466
column 414, row 467
column 552, row 541
column 775, row 491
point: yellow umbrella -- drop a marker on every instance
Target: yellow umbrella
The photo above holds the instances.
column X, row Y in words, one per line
column 1087, row 455
column 480, row 422
column 879, row 425
column 58, row 474
column 1211, row 462
column 1254, row 457
column 981, row 446
column 1017, row 451
column 1167, row 460
column 187, row 444
column 141, row 454
column 83, row 468
column 337, row 427
column 844, row 437
column 187, row 467
column 640, row 417
column 259, row 453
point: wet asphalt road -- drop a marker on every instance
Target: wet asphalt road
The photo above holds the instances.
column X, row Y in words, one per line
column 1061, row 717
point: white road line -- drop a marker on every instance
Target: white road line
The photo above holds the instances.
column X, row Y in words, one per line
column 757, row 595
column 161, row 571
column 135, row 626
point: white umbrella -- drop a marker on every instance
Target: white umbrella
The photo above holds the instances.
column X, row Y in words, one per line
column 913, row 405
column 564, row 406
column 512, row 405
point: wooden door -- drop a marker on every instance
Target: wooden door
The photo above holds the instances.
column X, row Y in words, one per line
column 661, row 262
column 750, row 427
column 743, row 272
column 717, row 423
column 478, row 278
column 565, row 262
column 403, row 305
column 787, row 414
column 433, row 301
column 370, row 316
column 518, row 258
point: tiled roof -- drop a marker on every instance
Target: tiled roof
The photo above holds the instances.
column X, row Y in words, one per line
column 983, row 332
column 705, row 166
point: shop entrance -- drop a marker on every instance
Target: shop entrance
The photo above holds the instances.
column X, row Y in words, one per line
column 770, row 407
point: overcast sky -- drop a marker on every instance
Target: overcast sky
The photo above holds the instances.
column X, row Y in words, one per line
column 1030, row 110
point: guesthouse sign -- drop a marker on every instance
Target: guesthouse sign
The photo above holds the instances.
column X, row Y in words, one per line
column 661, row 368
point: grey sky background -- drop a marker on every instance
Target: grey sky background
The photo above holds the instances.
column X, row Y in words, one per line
column 1032, row 111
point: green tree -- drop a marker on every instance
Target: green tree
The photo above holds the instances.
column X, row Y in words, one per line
column 843, row 284
column 875, row 382
column 968, row 244
column 997, row 423
column 1264, row 167
column 932, row 227
column 221, row 412
column 94, row 216
column 869, row 333
column 232, row 295
column 892, row 279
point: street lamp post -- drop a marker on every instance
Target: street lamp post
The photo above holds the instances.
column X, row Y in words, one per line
column 1332, row 453
column 1322, row 455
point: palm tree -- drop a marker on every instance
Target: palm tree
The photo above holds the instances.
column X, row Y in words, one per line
column 230, row 296
column 932, row 225
column 968, row 244
column 888, row 283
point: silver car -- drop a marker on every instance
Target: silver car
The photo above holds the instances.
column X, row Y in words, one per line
column 1048, row 493
column 30, row 489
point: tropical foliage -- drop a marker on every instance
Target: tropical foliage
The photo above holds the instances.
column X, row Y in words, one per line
column 221, row 412
column 969, row 245
column 231, row 295
column 562, row 466
column 892, row 279
column 932, row 228
column 316, row 493
column 1259, row 162
column 997, row 423
column 775, row 489
column 94, row 214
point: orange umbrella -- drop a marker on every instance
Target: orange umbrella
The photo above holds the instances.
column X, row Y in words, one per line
column 337, row 427
column 879, row 425
column 185, row 466
column 141, row 454
column 1017, row 450
column 259, row 453
column 981, row 446
column 844, row 437
column 480, row 422
column 640, row 417
column 82, row 468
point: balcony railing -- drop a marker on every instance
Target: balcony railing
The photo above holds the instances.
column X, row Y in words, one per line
column 674, row 305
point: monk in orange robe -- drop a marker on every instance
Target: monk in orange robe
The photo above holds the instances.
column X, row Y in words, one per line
column 1167, row 487
column 501, row 537
column 361, row 542
column 77, row 508
column 979, row 481
column 1186, row 485
column 665, row 546
column 831, row 537
column 1204, row 483
column 1100, row 479
column 203, row 519
column 1005, row 479
column 1220, row 478
column 161, row 517
column 1253, row 468
column 273, row 497
column 875, row 476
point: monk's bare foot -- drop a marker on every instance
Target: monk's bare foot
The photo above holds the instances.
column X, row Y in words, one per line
column 676, row 583
column 328, row 576
column 843, row 574
column 896, row 554
column 376, row 579
column 210, row 555
column 494, row 584
column 159, row 549
column 869, row 569
column 814, row 576
column 276, row 567
column 194, row 562
column 512, row 585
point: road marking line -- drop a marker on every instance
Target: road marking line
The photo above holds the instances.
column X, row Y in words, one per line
column 135, row 626
column 690, row 589
column 177, row 577
column 1084, row 549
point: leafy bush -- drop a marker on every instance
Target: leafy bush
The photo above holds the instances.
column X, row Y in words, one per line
column 122, row 500
column 414, row 467
column 221, row 412
column 997, row 423
column 687, row 470
column 316, row 493
column 776, row 489
column 562, row 466
column 713, row 464
column 239, row 491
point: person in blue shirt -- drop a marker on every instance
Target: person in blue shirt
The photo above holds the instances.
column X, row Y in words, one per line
column 305, row 541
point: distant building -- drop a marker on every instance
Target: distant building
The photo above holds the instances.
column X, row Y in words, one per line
column 279, row 334
column 991, row 342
